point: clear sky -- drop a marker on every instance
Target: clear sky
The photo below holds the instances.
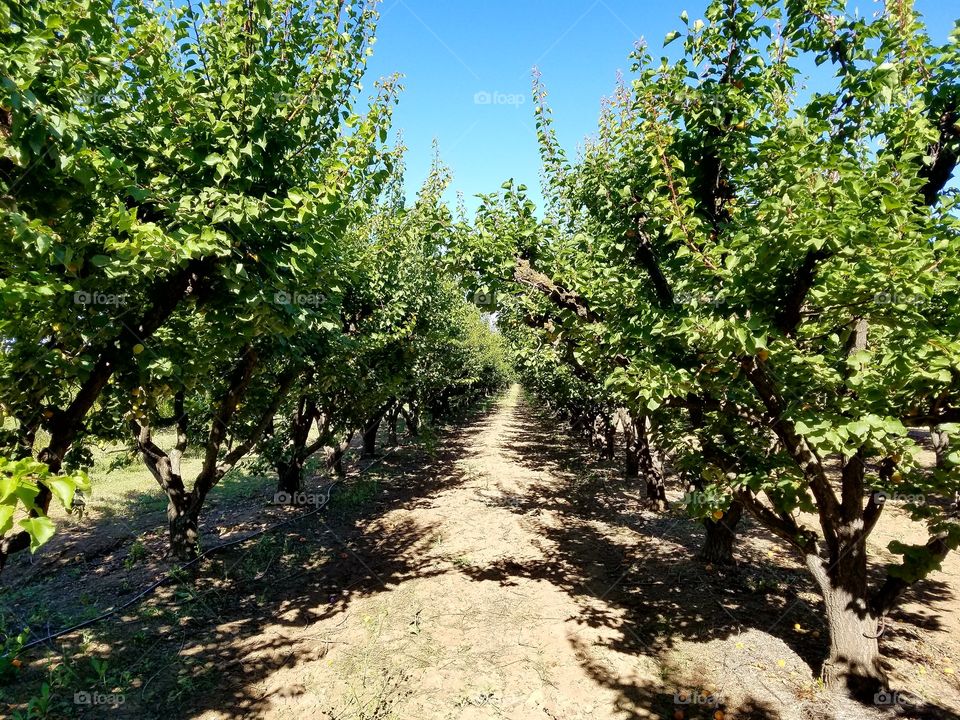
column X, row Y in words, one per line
column 467, row 72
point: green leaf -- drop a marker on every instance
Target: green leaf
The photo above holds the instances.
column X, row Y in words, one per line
column 40, row 529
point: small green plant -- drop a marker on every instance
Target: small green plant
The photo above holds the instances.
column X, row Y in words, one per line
column 138, row 552
column 38, row 706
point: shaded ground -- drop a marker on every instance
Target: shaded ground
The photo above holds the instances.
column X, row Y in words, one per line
column 501, row 574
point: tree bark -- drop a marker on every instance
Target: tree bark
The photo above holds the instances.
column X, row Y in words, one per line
column 853, row 664
column 656, row 490
column 631, row 447
column 183, row 520
column 335, row 455
column 290, row 476
column 392, row 416
column 609, row 438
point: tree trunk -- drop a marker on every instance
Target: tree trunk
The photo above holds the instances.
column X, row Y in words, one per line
column 853, row 665
column 656, row 490
column 392, row 425
column 721, row 536
column 941, row 445
column 370, row 436
column 335, row 456
column 290, row 476
column 183, row 519
column 610, row 438
column 412, row 419
column 631, row 449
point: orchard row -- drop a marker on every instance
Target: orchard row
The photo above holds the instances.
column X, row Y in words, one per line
column 204, row 232
column 759, row 285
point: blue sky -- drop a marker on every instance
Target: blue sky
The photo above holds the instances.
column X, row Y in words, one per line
column 467, row 71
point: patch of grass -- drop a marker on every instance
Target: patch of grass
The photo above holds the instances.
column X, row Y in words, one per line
column 353, row 495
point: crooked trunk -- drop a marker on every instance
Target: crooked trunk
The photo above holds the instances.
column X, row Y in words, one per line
column 941, row 445
column 631, row 449
column 335, row 456
column 721, row 536
column 412, row 420
column 610, row 439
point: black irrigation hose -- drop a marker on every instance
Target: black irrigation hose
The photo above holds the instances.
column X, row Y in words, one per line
column 206, row 553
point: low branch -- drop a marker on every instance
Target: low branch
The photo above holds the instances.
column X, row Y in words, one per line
column 524, row 274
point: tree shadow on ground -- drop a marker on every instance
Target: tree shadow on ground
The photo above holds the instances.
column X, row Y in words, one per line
column 637, row 571
column 209, row 639
column 210, row 642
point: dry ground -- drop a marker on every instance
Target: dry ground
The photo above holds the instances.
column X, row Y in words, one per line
column 506, row 574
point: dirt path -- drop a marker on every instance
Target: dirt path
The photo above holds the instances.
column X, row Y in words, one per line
column 514, row 577
column 449, row 643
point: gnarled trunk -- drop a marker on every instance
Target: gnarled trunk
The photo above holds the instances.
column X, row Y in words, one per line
column 392, row 416
column 650, row 469
column 335, row 455
column 609, row 438
column 941, row 445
